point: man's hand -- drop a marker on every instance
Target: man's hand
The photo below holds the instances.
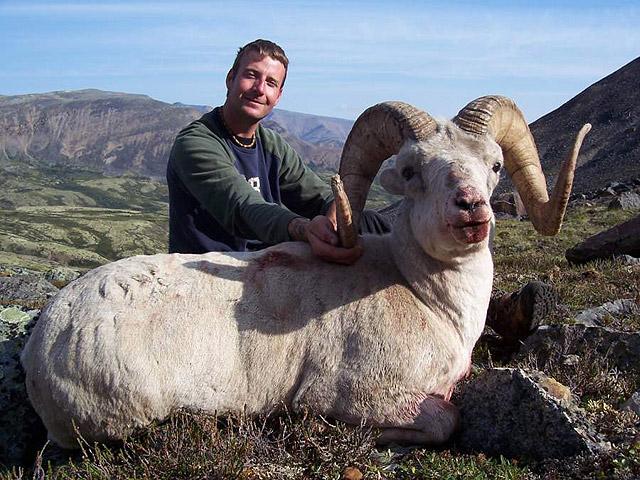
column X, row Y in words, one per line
column 320, row 234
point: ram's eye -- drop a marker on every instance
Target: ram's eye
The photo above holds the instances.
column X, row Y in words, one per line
column 407, row 173
column 497, row 167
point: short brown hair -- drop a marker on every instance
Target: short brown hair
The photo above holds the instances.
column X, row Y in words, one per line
column 264, row 48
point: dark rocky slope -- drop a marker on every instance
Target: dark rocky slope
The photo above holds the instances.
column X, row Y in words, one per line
column 611, row 151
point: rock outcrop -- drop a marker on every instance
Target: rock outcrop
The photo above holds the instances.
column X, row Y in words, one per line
column 506, row 411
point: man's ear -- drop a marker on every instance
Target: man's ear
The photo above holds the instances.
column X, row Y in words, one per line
column 229, row 79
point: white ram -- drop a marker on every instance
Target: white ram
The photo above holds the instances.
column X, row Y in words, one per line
column 383, row 341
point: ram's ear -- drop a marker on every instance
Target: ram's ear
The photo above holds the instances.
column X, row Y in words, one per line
column 392, row 182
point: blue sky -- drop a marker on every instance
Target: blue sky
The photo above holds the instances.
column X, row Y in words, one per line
column 345, row 56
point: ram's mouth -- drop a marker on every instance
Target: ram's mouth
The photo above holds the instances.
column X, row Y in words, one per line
column 471, row 232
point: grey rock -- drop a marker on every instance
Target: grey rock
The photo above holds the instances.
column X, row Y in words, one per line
column 633, row 403
column 626, row 201
column 623, row 239
column 508, row 205
column 21, row 432
column 504, row 209
column 594, row 317
column 28, row 290
column 508, row 412
column 619, row 187
column 620, row 349
column 587, row 320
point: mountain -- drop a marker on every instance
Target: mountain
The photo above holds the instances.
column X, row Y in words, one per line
column 326, row 131
column 611, row 151
column 318, row 140
column 117, row 133
column 90, row 129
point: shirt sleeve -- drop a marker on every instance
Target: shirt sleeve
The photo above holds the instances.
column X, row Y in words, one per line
column 206, row 167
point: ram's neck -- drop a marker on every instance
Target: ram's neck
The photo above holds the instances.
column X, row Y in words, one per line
column 456, row 292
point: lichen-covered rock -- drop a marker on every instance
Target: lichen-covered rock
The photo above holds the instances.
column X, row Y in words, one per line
column 505, row 411
column 27, row 290
column 20, row 428
column 620, row 349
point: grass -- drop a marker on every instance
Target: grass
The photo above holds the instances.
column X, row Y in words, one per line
column 522, row 255
column 198, row 446
column 191, row 446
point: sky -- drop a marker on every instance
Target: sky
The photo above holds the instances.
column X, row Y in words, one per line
column 345, row 55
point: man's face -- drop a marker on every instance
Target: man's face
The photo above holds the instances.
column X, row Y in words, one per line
column 256, row 87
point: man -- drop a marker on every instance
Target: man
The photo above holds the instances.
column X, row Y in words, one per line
column 235, row 185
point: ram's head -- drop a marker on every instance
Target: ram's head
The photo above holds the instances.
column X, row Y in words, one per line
column 451, row 168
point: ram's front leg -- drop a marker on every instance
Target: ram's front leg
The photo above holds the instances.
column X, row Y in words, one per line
column 432, row 423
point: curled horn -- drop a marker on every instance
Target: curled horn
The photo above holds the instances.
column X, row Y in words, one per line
column 378, row 133
column 501, row 118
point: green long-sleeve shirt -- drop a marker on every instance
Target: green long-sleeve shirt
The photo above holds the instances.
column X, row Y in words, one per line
column 212, row 204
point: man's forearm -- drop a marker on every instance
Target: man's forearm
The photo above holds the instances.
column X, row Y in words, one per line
column 298, row 229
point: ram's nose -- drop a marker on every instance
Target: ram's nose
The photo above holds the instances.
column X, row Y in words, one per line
column 469, row 199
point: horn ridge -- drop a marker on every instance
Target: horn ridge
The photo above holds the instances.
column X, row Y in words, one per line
column 378, row 133
column 500, row 118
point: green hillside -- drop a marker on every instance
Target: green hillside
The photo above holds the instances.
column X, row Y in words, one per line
column 80, row 219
